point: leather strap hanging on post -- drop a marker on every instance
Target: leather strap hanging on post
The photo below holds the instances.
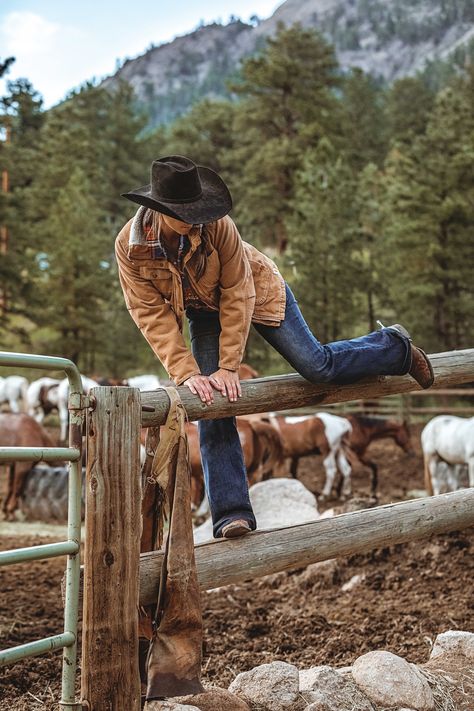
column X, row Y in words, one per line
column 152, row 534
column 175, row 654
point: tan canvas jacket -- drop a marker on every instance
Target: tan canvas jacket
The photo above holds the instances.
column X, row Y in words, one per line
column 239, row 282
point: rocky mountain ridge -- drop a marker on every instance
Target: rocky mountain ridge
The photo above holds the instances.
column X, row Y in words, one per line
column 386, row 38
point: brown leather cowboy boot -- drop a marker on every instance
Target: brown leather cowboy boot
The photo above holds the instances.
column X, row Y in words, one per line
column 236, row 528
column 421, row 369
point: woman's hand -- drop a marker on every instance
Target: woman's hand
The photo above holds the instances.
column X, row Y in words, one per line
column 227, row 381
column 200, row 385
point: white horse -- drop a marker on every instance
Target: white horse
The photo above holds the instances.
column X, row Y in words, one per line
column 144, row 382
column 448, row 439
column 13, row 389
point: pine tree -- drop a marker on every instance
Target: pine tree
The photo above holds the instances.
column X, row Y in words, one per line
column 125, row 152
column 430, row 216
column 204, row 134
column 97, row 135
column 322, row 253
column 21, row 118
column 369, row 244
column 74, row 273
column 409, row 104
column 364, row 124
column 286, row 105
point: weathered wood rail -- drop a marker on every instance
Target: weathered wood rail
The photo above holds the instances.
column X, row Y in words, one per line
column 292, row 391
column 271, row 551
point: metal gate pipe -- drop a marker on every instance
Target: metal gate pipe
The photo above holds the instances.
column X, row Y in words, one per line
column 39, row 454
column 29, row 360
column 31, row 649
column 77, row 407
column 49, row 550
column 73, row 572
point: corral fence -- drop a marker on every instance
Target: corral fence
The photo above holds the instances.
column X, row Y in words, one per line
column 412, row 408
column 117, row 579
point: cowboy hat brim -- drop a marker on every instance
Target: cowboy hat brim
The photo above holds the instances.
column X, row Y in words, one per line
column 215, row 201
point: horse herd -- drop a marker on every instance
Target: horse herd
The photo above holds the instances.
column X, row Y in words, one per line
column 272, row 443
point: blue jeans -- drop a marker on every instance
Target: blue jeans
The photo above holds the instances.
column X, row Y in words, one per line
column 384, row 352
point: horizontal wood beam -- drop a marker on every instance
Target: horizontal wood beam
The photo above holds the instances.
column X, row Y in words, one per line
column 260, row 553
column 292, row 391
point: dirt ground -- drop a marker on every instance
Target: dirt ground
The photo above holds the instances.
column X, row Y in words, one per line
column 408, row 594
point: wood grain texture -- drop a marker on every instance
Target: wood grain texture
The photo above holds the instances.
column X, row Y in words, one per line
column 292, row 391
column 265, row 552
column 110, row 677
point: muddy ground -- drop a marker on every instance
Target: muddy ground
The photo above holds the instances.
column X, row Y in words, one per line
column 409, row 594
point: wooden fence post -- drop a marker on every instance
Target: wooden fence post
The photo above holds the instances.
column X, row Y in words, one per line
column 110, row 675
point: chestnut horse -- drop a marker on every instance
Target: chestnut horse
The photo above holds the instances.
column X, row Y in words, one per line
column 246, row 372
column 261, row 447
column 367, row 429
column 20, row 430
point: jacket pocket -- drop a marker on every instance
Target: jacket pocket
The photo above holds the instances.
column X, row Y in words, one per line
column 160, row 278
column 261, row 277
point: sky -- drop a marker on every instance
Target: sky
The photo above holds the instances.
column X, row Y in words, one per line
column 59, row 44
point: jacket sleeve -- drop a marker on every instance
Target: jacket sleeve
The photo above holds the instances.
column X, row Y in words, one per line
column 155, row 319
column 237, row 294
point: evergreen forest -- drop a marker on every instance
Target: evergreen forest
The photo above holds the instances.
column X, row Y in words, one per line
column 362, row 193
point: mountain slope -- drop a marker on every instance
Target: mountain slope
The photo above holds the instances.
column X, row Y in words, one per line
column 387, row 38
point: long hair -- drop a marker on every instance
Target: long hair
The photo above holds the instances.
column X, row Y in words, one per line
column 154, row 220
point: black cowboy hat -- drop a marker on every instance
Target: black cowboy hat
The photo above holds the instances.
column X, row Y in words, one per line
column 181, row 189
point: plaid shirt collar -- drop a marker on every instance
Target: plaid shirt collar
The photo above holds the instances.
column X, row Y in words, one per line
column 158, row 250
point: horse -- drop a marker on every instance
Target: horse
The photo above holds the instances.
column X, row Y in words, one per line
column 19, row 430
column 261, row 446
column 147, row 381
column 114, row 382
column 246, row 372
column 42, row 397
column 367, row 429
column 13, row 389
column 448, row 439
column 324, row 434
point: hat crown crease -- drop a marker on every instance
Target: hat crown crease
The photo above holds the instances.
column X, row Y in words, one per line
column 175, row 180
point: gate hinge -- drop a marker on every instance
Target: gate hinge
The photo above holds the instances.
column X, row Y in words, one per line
column 78, row 401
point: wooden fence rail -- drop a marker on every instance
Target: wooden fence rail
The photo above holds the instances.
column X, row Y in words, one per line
column 292, row 547
column 283, row 392
column 412, row 407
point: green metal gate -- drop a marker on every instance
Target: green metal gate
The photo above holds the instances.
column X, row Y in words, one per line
column 73, row 454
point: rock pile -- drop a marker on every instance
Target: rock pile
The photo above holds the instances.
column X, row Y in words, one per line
column 377, row 681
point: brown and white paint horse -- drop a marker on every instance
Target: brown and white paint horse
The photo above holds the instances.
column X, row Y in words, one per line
column 324, row 434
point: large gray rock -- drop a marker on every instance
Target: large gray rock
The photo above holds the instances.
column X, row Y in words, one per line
column 276, row 503
column 274, row 687
column 389, row 680
column 328, row 690
column 453, row 643
column 216, row 700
